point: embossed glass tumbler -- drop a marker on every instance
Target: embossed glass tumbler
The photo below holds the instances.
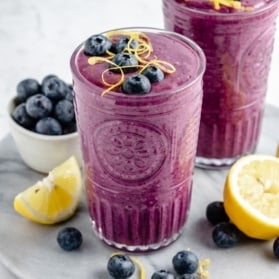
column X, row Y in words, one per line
column 238, row 44
column 139, row 150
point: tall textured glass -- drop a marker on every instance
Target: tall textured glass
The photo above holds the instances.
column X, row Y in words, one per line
column 139, row 150
column 237, row 39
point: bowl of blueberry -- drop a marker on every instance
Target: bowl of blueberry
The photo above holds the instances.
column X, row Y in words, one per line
column 42, row 122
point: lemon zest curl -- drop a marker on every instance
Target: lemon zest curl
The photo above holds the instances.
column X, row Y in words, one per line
column 142, row 52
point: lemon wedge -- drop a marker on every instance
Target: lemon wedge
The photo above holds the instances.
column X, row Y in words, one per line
column 54, row 198
column 251, row 196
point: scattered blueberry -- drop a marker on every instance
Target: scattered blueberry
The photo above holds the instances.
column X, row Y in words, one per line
column 185, row 262
column 126, row 60
column 276, row 247
column 153, row 73
column 69, row 238
column 97, row 45
column 215, row 213
column 123, row 43
column 55, row 88
column 20, row 115
column 162, row 274
column 136, row 84
column 38, row 106
column 120, row 266
column 64, row 111
column 225, row 235
column 27, row 88
column 48, row 126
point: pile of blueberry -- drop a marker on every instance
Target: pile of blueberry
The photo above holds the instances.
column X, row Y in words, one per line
column 138, row 83
column 185, row 265
column 225, row 234
column 45, row 108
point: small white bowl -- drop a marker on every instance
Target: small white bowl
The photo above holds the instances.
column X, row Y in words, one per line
column 43, row 152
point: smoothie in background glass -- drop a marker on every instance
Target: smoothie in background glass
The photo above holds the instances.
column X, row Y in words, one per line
column 139, row 150
column 237, row 39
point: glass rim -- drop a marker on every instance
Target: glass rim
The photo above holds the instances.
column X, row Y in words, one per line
column 228, row 16
column 193, row 45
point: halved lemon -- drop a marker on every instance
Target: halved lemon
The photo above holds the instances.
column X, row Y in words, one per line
column 54, row 198
column 251, row 196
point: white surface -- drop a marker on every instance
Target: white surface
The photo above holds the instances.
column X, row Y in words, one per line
column 41, row 152
column 38, row 37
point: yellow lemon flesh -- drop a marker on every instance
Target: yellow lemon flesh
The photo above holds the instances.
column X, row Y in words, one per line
column 251, row 196
column 54, row 198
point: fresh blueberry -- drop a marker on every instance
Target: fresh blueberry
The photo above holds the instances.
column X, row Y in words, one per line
column 21, row 116
column 185, row 262
column 153, row 73
column 123, row 43
column 55, row 88
column 190, row 276
column 27, row 88
column 136, row 84
column 225, row 235
column 215, row 213
column 48, row 126
column 276, row 247
column 38, row 106
column 162, row 274
column 64, row 111
column 97, row 45
column 127, row 61
column 120, row 266
column 48, row 77
column 69, row 238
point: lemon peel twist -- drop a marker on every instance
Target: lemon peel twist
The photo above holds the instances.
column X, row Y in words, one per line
column 142, row 52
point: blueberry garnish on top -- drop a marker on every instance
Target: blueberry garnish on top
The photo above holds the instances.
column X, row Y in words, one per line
column 153, row 73
column 124, row 53
column 97, row 45
column 126, row 61
column 124, row 43
column 136, row 84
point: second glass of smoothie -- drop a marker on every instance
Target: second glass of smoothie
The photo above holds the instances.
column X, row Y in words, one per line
column 237, row 39
column 138, row 148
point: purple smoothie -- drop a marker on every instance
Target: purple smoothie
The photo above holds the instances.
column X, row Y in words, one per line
column 139, row 150
column 238, row 43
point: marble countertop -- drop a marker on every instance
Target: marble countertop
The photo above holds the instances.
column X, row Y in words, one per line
column 29, row 250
